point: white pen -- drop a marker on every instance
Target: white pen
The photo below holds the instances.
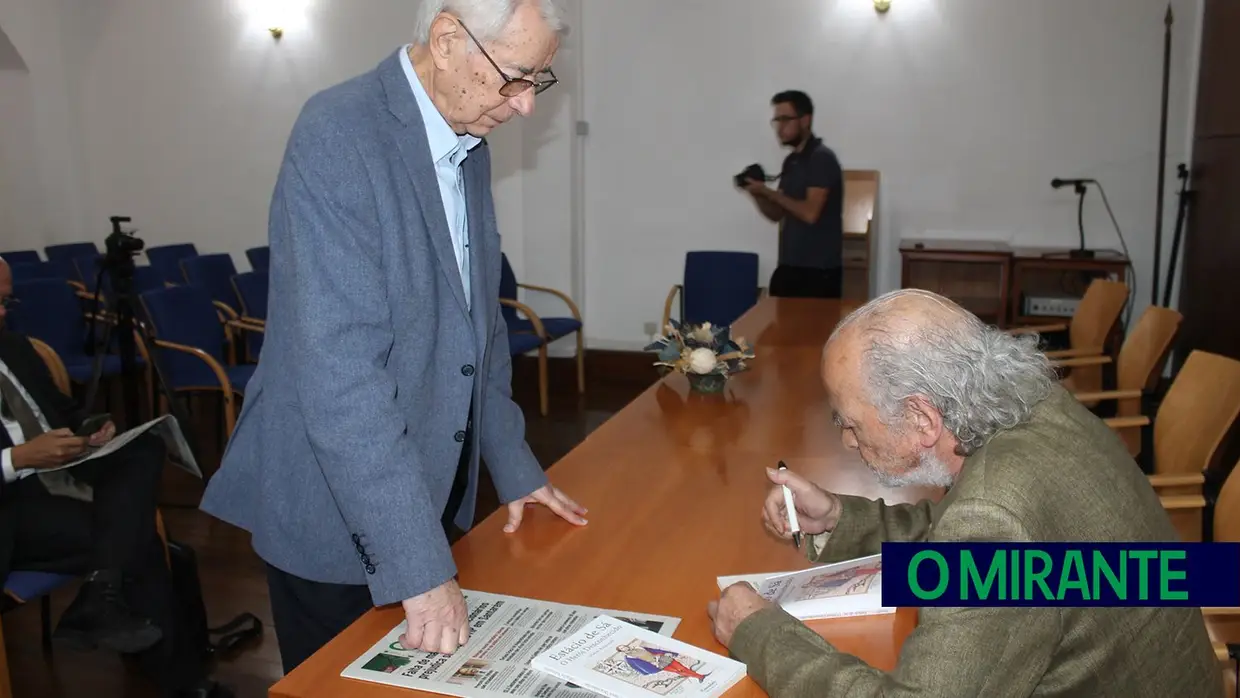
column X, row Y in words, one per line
column 792, row 512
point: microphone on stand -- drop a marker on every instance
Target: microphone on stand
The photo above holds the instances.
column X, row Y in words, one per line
column 1079, row 186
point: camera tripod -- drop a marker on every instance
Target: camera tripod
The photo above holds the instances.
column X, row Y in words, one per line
column 117, row 315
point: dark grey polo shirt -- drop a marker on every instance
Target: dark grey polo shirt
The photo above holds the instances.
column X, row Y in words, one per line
column 817, row 245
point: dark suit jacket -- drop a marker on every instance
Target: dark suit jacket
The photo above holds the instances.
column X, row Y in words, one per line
column 19, row 355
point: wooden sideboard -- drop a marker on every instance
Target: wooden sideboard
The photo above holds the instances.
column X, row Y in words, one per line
column 993, row 279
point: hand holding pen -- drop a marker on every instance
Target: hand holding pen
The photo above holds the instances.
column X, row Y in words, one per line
column 796, row 506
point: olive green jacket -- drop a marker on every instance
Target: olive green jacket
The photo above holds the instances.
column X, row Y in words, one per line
column 1062, row 476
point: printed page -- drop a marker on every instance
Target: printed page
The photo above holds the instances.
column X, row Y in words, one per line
column 506, row 632
column 851, row 587
column 166, row 427
column 622, row 661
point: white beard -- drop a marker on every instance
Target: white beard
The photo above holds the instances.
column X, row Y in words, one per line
column 930, row 472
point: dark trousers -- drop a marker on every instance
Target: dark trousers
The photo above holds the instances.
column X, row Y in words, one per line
column 308, row 614
column 114, row 532
column 805, row 282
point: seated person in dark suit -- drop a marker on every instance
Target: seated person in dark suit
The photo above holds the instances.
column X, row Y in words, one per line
column 96, row 520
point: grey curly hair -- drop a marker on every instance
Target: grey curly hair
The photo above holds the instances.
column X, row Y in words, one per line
column 486, row 19
column 981, row 379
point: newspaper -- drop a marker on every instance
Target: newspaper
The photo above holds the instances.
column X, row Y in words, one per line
column 166, row 427
column 506, row 633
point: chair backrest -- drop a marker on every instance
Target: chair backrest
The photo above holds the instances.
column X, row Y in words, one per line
column 70, row 250
column 259, row 258
column 718, row 286
column 48, row 310
column 185, row 315
column 21, row 256
column 1097, row 314
column 1196, row 413
column 167, row 259
column 214, row 272
column 1144, row 354
column 251, row 288
column 507, row 289
column 29, row 271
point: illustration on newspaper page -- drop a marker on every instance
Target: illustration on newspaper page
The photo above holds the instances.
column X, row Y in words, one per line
column 506, row 632
column 616, row 659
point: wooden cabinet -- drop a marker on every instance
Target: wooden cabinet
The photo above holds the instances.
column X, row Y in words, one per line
column 860, row 212
column 994, row 280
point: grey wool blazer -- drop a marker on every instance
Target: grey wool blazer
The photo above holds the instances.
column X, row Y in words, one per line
column 353, row 424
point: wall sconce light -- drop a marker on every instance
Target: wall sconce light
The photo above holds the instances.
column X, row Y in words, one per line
column 882, row 5
column 276, row 32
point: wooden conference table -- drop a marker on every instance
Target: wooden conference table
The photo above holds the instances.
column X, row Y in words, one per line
column 674, row 483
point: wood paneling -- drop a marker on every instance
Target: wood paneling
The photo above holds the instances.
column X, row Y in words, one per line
column 1218, row 99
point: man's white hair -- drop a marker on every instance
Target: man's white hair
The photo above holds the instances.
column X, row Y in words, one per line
column 486, row 19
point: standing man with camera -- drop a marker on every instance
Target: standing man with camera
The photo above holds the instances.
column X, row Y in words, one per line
column 808, row 205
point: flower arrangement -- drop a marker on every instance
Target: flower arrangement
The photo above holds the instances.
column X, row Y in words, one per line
column 707, row 355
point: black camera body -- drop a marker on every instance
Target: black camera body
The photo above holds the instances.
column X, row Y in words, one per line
column 120, row 244
column 753, row 172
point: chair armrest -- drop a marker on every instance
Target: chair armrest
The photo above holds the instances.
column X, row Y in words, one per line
column 1109, row 395
column 667, row 305
column 246, row 325
column 216, row 368
column 1127, row 422
column 529, row 315
column 1183, row 501
column 572, row 307
column 1159, row 480
column 1081, row 361
column 1074, row 353
column 226, row 312
column 1030, row 329
column 55, row 366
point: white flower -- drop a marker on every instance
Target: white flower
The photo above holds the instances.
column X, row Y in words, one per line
column 702, row 360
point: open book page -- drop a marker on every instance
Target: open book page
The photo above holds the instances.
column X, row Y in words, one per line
column 166, row 427
column 506, row 632
column 848, row 588
column 619, row 660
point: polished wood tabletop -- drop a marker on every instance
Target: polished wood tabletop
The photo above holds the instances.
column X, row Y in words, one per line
column 674, row 483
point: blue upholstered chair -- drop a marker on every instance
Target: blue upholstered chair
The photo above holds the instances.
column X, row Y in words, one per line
column 259, row 258
column 718, row 288
column 251, row 288
column 167, row 259
column 550, row 328
column 21, row 256
column 191, row 337
column 214, row 272
column 71, row 250
column 50, row 310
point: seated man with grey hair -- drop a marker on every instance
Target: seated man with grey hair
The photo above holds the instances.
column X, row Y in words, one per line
column 929, row 395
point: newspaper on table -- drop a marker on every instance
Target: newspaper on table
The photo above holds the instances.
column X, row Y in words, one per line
column 165, row 427
column 505, row 634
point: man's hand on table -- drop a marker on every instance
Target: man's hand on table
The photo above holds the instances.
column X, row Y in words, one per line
column 735, row 604
column 550, row 497
column 437, row 620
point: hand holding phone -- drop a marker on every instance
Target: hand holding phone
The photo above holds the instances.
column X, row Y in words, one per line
column 93, row 424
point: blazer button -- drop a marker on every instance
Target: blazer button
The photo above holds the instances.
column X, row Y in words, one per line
column 460, row 436
column 467, row 370
column 370, row 569
column 356, row 539
column 365, row 559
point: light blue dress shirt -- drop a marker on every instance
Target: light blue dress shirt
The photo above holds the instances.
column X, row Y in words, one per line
column 449, row 151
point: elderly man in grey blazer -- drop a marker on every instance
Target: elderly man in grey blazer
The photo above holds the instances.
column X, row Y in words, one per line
column 385, row 370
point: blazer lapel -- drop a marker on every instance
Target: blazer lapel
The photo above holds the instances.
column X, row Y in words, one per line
column 415, row 151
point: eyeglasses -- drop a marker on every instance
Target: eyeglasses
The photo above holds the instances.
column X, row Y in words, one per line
column 9, row 302
column 513, row 86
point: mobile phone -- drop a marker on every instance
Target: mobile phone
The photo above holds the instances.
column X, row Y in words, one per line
column 93, row 424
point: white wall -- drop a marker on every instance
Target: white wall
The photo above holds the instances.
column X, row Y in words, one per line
column 967, row 107
column 176, row 113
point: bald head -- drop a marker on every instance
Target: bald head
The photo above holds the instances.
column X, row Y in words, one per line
column 915, row 378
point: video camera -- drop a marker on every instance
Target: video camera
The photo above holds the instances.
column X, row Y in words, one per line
column 121, row 244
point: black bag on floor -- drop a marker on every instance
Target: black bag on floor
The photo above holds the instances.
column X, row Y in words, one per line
column 188, row 586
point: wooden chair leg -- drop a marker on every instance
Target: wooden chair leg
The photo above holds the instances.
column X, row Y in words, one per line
column 6, row 688
column 581, row 364
column 542, row 379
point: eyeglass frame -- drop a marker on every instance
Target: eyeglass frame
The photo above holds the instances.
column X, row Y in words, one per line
column 8, row 302
column 539, row 87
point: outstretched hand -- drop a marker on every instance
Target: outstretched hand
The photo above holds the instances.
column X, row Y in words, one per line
column 550, row 497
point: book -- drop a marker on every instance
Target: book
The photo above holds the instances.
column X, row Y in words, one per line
column 505, row 633
column 849, row 588
column 620, row 660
